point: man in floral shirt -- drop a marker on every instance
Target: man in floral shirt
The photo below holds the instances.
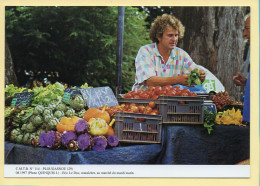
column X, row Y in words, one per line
column 162, row 62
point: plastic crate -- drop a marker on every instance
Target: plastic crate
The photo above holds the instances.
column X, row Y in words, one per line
column 138, row 128
column 182, row 110
column 175, row 109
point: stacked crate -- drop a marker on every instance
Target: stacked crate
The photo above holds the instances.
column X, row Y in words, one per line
column 145, row 128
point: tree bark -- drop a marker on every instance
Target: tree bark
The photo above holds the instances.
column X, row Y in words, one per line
column 213, row 39
column 10, row 76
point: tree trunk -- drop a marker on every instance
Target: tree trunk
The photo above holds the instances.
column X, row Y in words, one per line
column 213, row 39
column 10, row 77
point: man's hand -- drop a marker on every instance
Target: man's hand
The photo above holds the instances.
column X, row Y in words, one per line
column 202, row 75
column 239, row 79
column 183, row 79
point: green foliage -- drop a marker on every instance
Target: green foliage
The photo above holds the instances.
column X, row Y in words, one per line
column 77, row 42
column 209, row 120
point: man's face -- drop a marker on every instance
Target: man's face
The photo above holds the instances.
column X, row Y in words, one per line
column 246, row 31
column 169, row 38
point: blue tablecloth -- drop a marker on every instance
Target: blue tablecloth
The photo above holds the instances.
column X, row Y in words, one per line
column 181, row 144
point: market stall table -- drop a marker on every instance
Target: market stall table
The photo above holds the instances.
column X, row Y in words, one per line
column 181, row 144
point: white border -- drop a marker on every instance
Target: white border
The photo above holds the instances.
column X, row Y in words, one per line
column 180, row 171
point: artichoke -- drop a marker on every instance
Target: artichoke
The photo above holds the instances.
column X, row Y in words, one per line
column 81, row 113
column 37, row 120
column 19, row 138
column 47, row 111
column 30, row 127
column 62, row 107
column 38, row 109
column 26, row 138
column 52, row 106
column 52, row 124
column 15, row 133
column 58, row 114
column 70, row 112
column 77, row 102
column 39, row 131
column 48, row 117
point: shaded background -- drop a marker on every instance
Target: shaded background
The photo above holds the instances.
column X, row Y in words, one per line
column 75, row 45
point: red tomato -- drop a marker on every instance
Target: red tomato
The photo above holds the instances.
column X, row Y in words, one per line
column 157, row 90
column 145, row 96
column 155, row 97
column 193, row 94
column 184, row 94
column 151, row 88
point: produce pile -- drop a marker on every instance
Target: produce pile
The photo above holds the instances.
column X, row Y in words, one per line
column 154, row 92
column 222, row 99
column 150, row 108
column 47, row 120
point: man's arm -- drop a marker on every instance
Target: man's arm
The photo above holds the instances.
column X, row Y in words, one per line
column 162, row 81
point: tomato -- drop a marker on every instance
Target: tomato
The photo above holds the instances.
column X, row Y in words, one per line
column 167, row 87
column 193, row 94
column 134, row 109
column 145, row 96
column 152, row 104
column 147, row 110
column 157, row 90
column 163, row 92
column 132, row 104
column 155, row 97
column 136, row 97
column 155, row 111
column 184, row 94
column 141, row 108
column 151, row 88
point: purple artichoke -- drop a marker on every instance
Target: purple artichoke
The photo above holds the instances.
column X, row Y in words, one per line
column 67, row 136
column 51, row 139
column 112, row 140
column 100, row 143
column 42, row 139
column 84, row 142
column 81, row 126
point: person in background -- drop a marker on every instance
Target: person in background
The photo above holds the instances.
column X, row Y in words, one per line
column 162, row 62
column 244, row 78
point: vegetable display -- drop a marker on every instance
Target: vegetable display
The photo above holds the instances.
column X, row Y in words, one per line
column 194, row 77
column 230, row 117
column 221, row 99
column 154, row 92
